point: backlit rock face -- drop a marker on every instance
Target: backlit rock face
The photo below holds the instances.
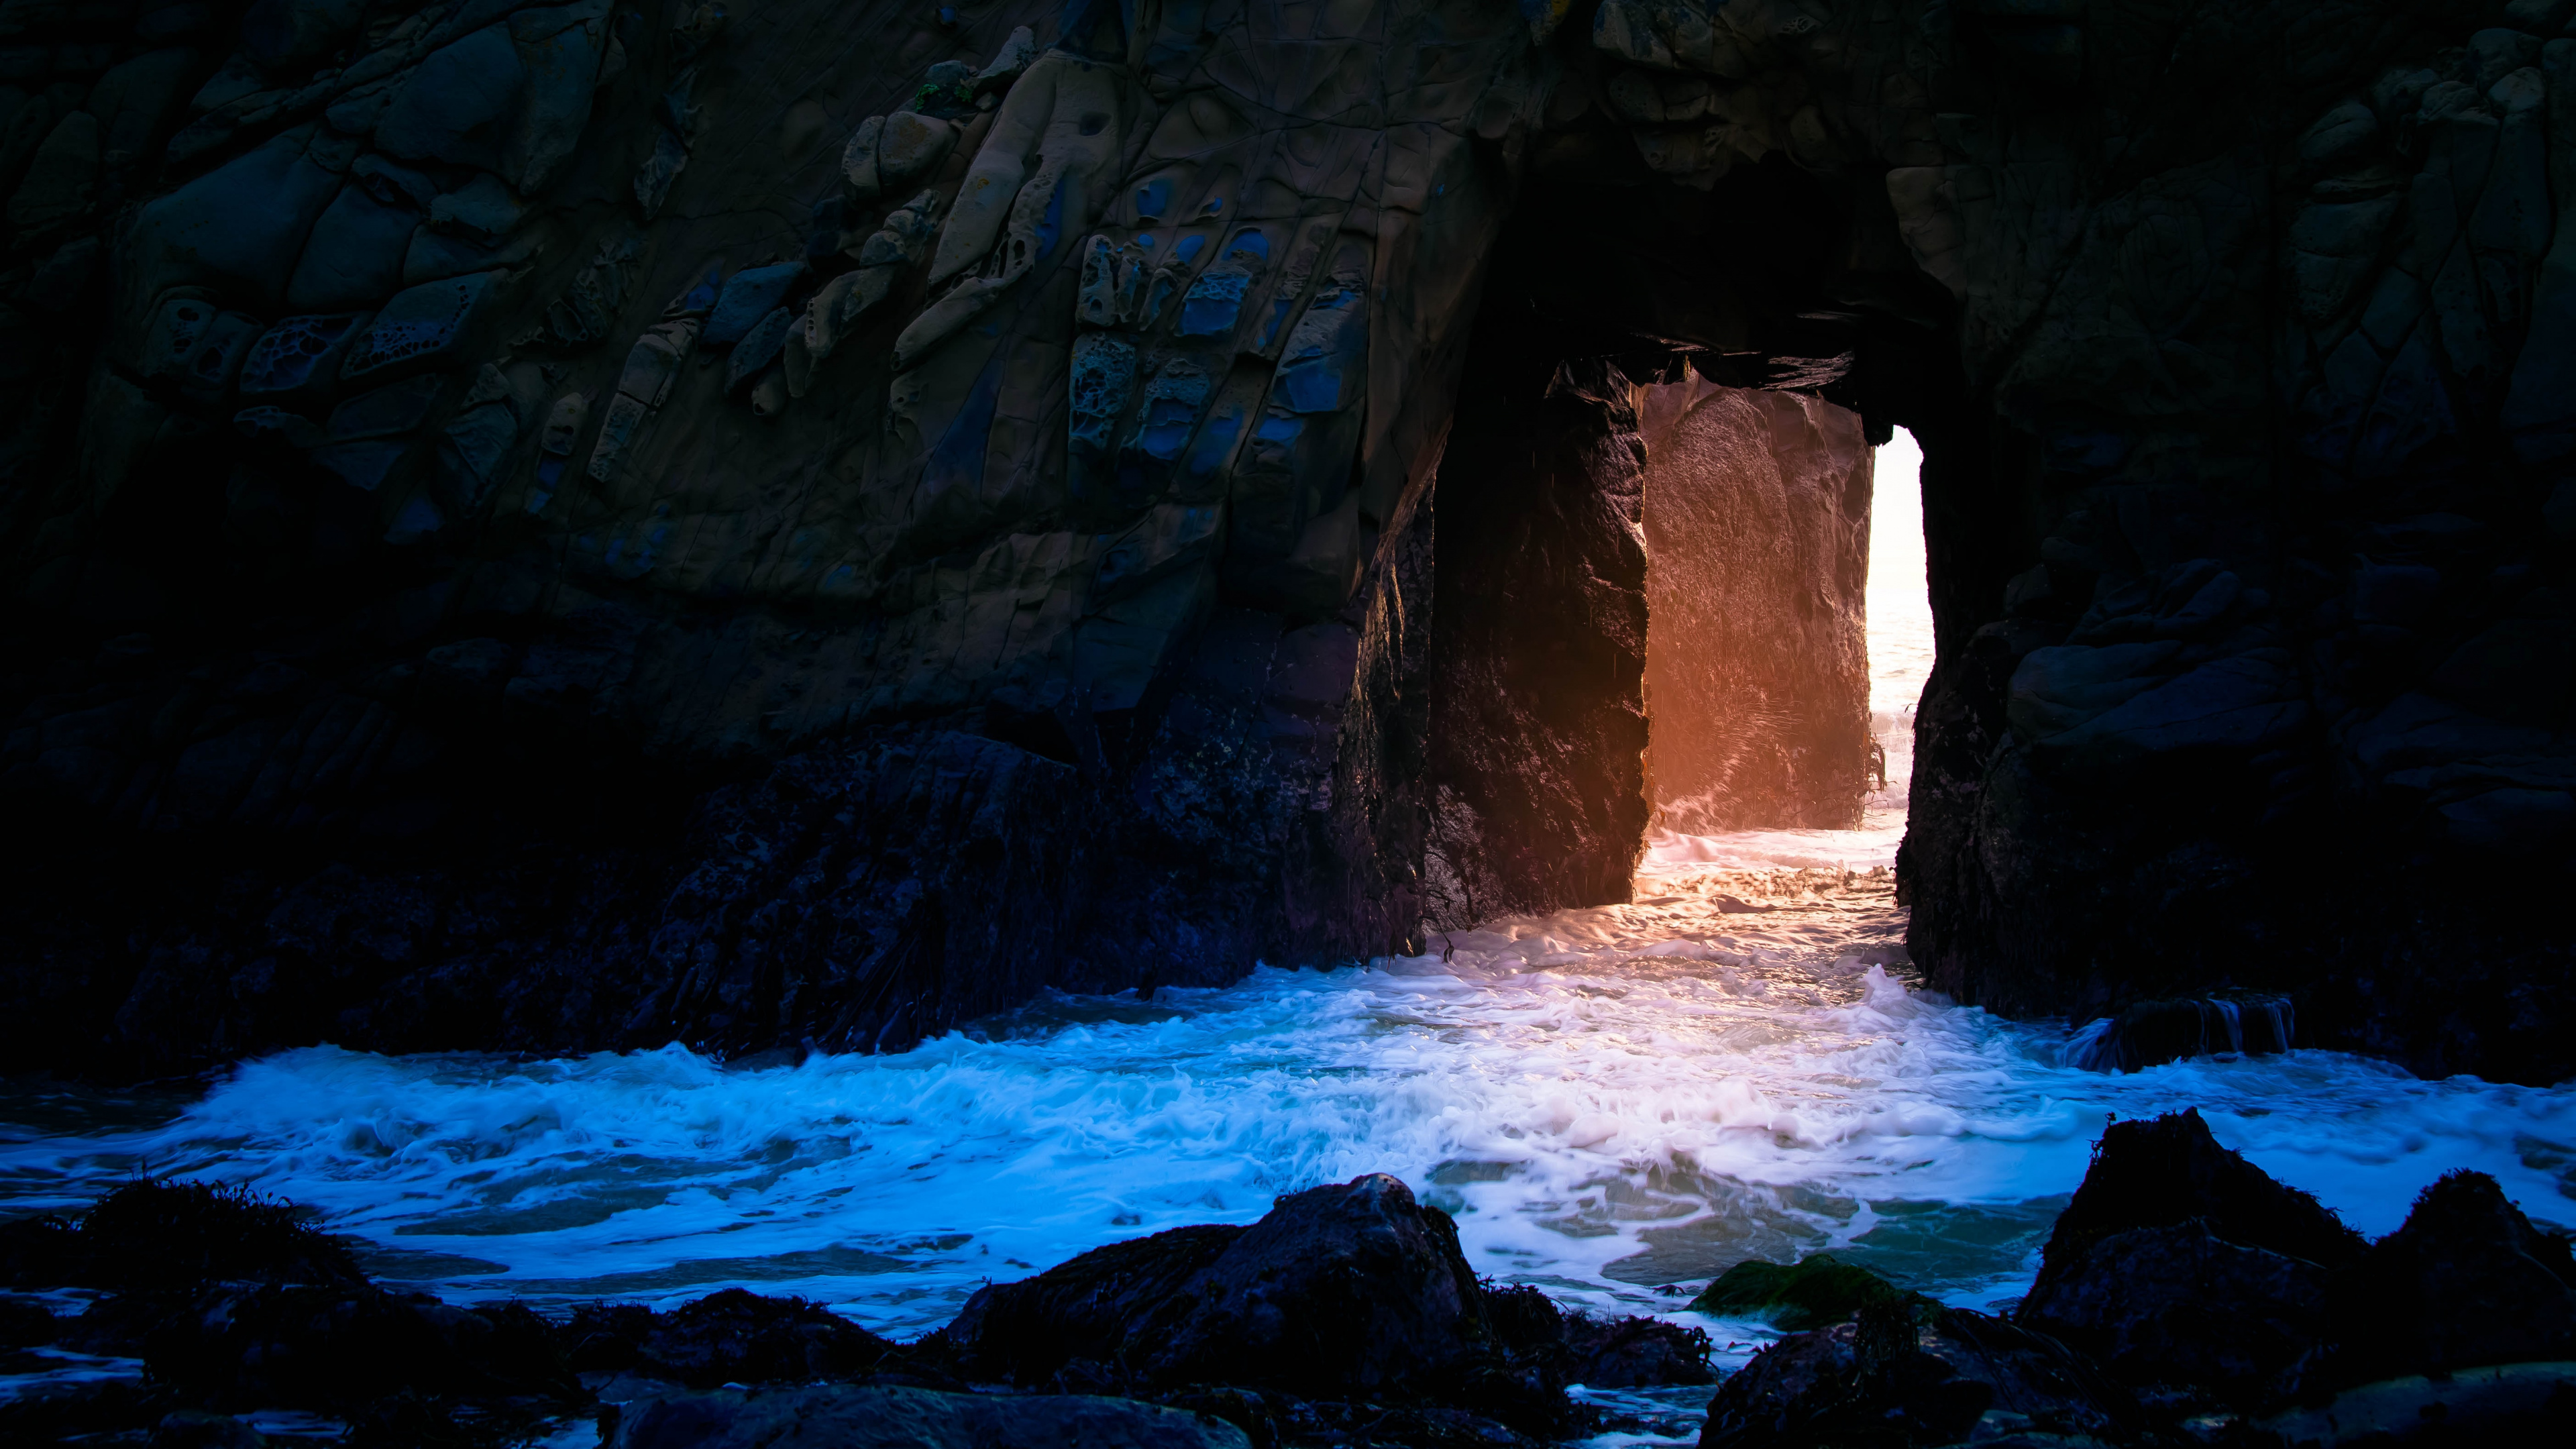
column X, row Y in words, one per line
column 470, row 453
column 1757, row 666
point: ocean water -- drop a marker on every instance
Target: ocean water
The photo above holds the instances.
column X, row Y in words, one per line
column 1616, row 1103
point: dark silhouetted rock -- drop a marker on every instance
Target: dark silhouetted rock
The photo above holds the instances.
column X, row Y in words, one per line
column 2164, row 1172
column 740, row 1337
column 1625, row 1353
column 1339, row 1289
column 1083, row 1309
column 877, row 1417
column 2465, row 1281
column 1913, row 1373
column 2523, row 1403
column 166, row 1236
column 1815, row 1292
column 2175, row 1305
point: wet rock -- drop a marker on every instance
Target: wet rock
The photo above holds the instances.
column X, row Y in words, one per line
column 1337, row 1290
column 2178, row 1306
column 1918, row 1374
column 908, row 1418
column 157, row 1235
column 2525, row 1403
column 1626, row 1353
column 1084, row 1309
column 740, row 1337
column 2467, row 1280
column 2168, row 1171
column 1816, row 1291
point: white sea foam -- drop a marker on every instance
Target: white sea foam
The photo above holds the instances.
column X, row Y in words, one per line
column 1611, row 1100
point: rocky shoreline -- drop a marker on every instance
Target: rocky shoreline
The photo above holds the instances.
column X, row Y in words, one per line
column 2183, row 1298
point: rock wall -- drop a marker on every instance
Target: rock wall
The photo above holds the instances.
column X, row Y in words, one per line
column 620, row 473
column 1757, row 658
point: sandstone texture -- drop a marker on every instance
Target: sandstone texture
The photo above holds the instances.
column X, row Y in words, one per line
column 786, row 525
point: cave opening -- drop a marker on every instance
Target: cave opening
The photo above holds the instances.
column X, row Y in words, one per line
column 1654, row 535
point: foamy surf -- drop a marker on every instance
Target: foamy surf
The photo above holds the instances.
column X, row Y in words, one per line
column 1613, row 1102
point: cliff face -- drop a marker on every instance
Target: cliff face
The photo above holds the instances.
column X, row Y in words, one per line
column 562, row 526
column 1757, row 531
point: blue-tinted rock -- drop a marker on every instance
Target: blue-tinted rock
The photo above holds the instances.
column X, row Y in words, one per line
column 1212, row 303
column 758, row 349
column 560, row 47
column 435, row 254
column 473, row 449
column 1320, row 365
column 749, row 295
column 459, row 106
column 393, row 183
column 293, row 429
column 283, row 34
column 206, row 373
column 484, row 209
column 425, row 327
column 387, row 411
column 240, row 226
column 653, row 179
column 354, row 257
column 363, row 466
column 299, row 357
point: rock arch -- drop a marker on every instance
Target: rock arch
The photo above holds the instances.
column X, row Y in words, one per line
column 806, row 524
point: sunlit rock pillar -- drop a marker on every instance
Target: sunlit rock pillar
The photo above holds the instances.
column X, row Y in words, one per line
column 1757, row 660
column 1536, row 773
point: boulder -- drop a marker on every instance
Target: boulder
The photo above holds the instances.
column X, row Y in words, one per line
column 2176, row 1305
column 1816, row 1291
column 2168, row 1171
column 2523, row 1403
column 158, row 1235
column 732, row 1337
column 1626, row 1353
column 1338, row 1290
column 1915, row 1373
column 847, row 1416
column 2466, row 1280
column 460, row 105
column 354, row 255
column 241, row 226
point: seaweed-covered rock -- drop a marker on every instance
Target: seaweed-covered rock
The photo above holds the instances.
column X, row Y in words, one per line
column 159, row 1235
column 2466, row 1280
column 1624, row 1353
column 1812, row 1293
